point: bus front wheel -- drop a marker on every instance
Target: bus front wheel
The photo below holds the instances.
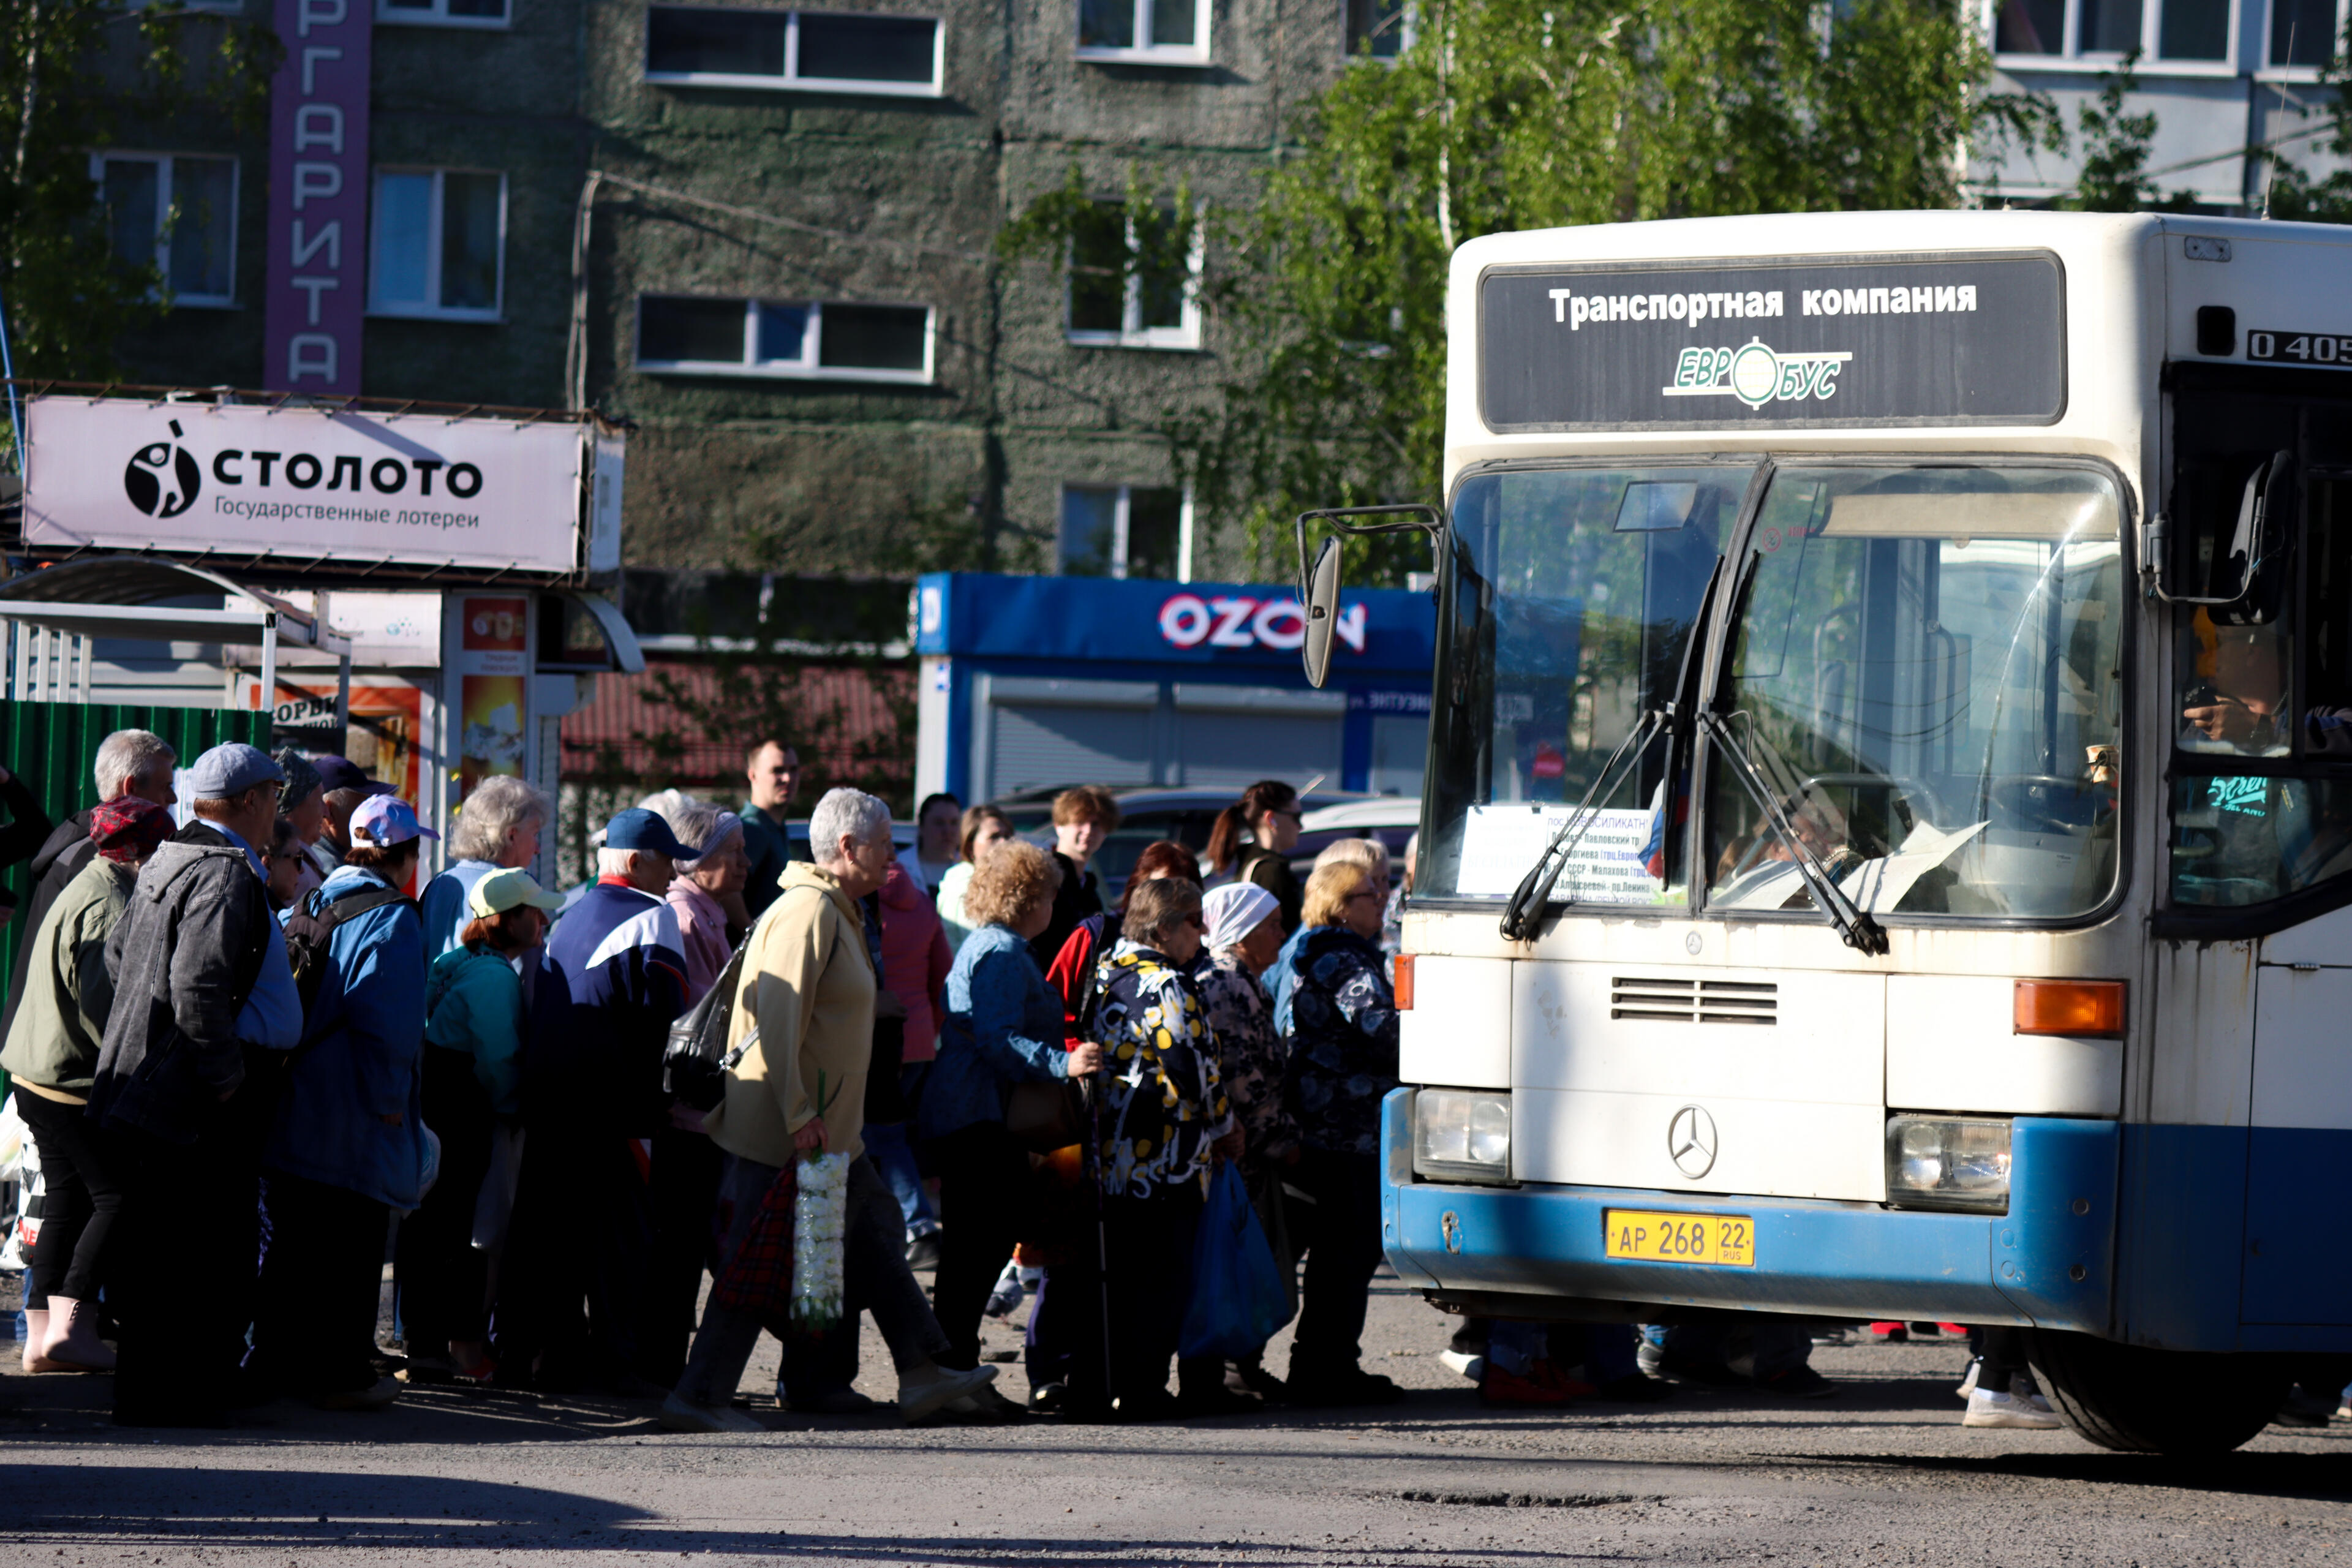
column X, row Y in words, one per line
column 2142, row 1401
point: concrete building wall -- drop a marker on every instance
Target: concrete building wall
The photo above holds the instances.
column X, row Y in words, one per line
column 2209, row 112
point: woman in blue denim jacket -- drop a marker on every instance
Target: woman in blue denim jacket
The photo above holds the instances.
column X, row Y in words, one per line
column 1002, row 1026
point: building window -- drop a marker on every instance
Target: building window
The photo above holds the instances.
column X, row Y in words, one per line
column 176, row 214
column 784, row 338
column 813, row 51
column 1127, row 530
column 1130, row 290
column 444, row 13
column 1378, row 29
column 439, row 243
column 2175, row 32
column 2304, row 32
column 1144, row 32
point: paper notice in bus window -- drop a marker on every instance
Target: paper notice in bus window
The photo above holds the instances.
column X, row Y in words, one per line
column 1500, row 842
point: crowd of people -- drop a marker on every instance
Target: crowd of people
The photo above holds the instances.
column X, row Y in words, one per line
column 256, row 1057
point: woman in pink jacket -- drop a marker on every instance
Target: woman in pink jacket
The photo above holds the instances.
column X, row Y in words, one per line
column 915, row 963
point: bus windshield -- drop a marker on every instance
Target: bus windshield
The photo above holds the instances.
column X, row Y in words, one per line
column 1923, row 671
column 1572, row 595
column 1926, row 670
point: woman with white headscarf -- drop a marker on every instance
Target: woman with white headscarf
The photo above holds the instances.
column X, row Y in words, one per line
column 1242, row 933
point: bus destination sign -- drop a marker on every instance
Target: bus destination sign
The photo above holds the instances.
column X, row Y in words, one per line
column 1806, row 343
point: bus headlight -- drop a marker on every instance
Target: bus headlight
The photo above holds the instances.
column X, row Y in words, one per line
column 1461, row 1135
column 1948, row 1162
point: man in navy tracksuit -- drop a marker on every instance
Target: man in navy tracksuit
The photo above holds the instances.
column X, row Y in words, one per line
column 611, row 981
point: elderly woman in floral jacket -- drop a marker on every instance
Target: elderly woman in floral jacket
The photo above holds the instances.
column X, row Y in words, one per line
column 1164, row 1121
column 1343, row 1063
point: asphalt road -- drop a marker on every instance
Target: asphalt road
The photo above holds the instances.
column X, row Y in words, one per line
column 1883, row 1473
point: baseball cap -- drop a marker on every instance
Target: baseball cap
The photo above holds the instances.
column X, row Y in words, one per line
column 337, row 773
column 381, row 821
column 231, row 769
column 638, row 828
column 510, row 889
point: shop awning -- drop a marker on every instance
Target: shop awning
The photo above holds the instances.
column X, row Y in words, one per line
column 128, row 596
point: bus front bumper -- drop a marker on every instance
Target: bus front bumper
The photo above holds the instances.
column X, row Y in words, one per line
column 2047, row 1262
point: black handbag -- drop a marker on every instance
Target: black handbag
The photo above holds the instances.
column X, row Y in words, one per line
column 695, row 1058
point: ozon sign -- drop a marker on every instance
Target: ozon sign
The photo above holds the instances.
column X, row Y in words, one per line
column 1188, row 620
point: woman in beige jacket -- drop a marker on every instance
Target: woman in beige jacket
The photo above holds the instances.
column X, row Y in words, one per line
column 803, row 1020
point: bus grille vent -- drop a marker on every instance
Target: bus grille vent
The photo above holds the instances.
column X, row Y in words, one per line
column 1694, row 1001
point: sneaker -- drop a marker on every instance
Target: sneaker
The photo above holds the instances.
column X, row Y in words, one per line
column 1567, row 1380
column 375, row 1396
column 1472, row 1367
column 681, row 1415
column 920, row 1402
column 1252, row 1375
column 1799, row 1383
column 1508, row 1391
column 923, row 1253
column 834, row 1402
column 1987, row 1408
column 2301, row 1409
column 1683, row 1369
column 1650, row 1356
column 1889, row 1334
column 1969, row 1383
column 1832, row 1337
column 1348, row 1385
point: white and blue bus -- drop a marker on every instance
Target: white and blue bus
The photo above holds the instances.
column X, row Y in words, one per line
column 1886, row 850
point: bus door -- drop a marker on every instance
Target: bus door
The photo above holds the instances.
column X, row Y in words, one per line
column 2260, row 839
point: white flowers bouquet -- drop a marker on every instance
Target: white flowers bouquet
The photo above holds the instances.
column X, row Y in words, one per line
column 820, row 1208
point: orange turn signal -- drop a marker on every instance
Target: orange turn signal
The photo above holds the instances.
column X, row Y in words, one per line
column 2093, row 1008
column 1404, row 982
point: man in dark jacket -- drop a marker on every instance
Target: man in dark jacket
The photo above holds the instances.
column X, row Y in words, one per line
column 129, row 762
column 611, row 980
column 172, row 1095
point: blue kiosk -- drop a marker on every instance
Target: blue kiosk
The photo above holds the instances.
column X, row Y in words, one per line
column 1033, row 681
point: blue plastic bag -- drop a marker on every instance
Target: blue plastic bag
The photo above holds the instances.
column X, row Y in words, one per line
column 1238, row 1302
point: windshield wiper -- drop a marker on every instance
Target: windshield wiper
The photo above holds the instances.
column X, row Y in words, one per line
column 1521, row 915
column 1854, row 923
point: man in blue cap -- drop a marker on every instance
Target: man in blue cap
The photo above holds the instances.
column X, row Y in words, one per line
column 614, row 979
column 174, row 1094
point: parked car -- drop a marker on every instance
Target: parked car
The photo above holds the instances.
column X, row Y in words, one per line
column 1390, row 818
column 1185, row 813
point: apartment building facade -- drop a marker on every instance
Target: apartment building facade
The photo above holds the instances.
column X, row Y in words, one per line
column 765, row 236
column 2223, row 77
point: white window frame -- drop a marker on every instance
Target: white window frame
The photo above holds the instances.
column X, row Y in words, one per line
column 1132, row 332
column 97, row 162
column 2311, row 74
column 791, row 81
column 808, row 367
column 437, row 15
column 433, row 229
column 1196, row 53
column 2074, row 59
column 1121, row 505
column 1408, row 33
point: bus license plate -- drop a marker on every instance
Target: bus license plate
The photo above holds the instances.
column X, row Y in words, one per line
column 1725, row 1240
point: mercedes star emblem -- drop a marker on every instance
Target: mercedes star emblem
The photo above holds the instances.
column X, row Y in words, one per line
column 1691, row 1141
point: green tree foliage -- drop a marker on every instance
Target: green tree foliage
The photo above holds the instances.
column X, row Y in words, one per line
column 2114, row 177
column 1524, row 114
column 83, row 75
column 2291, row 193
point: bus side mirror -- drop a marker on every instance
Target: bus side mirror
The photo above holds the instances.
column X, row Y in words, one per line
column 1322, row 600
column 2234, row 563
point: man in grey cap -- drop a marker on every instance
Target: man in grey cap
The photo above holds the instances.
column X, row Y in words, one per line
column 174, row 1095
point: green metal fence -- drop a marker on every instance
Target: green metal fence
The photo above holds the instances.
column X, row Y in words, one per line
column 53, row 745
